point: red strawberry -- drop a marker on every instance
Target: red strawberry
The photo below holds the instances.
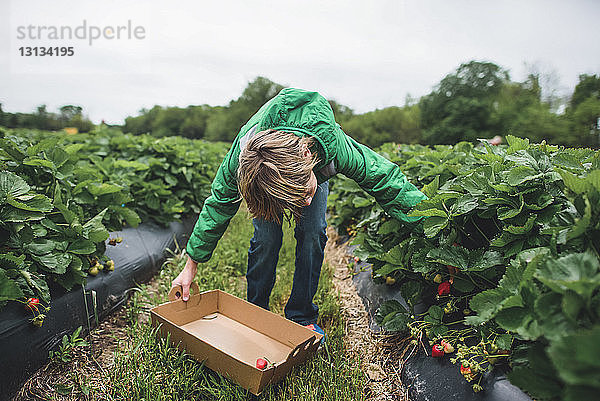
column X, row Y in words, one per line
column 261, row 363
column 32, row 304
column 465, row 371
column 437, row 351
column 444, row 288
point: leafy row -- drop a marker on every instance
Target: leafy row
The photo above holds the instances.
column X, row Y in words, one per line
column 61, row 195
column 507, row 255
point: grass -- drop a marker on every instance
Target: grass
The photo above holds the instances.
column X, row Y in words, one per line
column 147, row 368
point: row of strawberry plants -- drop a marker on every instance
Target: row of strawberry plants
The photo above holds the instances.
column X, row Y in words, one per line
column 506, row 259
column 61, row 195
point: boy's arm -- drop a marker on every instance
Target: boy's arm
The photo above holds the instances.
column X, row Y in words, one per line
column 222, row 204
column 378, row 176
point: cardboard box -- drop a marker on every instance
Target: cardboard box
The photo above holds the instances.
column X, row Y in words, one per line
column 229, row 334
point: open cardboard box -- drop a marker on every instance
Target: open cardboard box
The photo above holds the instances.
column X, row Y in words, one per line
column 229, row 334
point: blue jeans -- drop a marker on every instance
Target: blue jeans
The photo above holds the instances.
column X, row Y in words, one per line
column 310, row 244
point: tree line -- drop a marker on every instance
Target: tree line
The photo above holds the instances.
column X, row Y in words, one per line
column 477, row 100
column 68, row 116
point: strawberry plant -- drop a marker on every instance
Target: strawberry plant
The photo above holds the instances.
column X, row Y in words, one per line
column 506, row 256
column 61, row 195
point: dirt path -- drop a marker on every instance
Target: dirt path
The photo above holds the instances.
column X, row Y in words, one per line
column 373, row 350
column 90, row 365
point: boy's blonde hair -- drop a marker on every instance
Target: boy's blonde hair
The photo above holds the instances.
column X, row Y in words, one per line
column 274, row 175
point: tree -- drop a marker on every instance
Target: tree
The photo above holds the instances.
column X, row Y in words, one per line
column 586, row 121
column 194, row 125
column 461, row 105
column 143, row 123
column 225, row 123
column 168, row 121
column 342, row 113
column 392, row 124
column 69, row 111
column 588, row 86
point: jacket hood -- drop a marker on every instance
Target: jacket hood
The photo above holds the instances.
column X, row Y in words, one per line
column 308, row 113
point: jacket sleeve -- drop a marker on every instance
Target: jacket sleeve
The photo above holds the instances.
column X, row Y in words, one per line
column 222, row 204
column 378, row 176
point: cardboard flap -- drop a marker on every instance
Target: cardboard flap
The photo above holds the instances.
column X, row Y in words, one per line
column 177, row 292
column 303, row 348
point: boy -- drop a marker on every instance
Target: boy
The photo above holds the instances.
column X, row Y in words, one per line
column 280, row 163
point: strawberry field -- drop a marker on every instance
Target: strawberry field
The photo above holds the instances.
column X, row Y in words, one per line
column 61, row 195
column 504, row 269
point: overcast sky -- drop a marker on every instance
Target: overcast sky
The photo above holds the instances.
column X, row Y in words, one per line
column 364, row 54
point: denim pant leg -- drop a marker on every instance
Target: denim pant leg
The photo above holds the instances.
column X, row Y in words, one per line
column 262, row 261
column 311, row 238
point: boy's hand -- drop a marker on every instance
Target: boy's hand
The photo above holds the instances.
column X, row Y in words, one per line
column 186, row 277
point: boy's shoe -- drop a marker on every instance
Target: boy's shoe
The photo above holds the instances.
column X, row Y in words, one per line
column 315, row 327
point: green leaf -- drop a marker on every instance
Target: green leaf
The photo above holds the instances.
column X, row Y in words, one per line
column 389, row 226
column 538, row 386
column 533, row 371
column 94, row 229
column 54, row 262
column 392, row 316
column 9, row 290
column 433, row 225
column 465, row 259
column 571, row 305
column 11, row 185
column 577, row 357
column 40, row 246
column 428, row 212
column 12, row 214
column 450, row 255
column 37, row 162
column 431, row 188
column 387, row 268
column 37, row 281
column 479, row 260
column 12, row 262
column 516, row 144
column 411, row 292
column 579, row 272
column 133, row 164
column 103, row 189
column 463, row 284
column 357, row 201
column 73, row 148
column 504, row 341
column 130, row 216
column 464, row 204
column 508, row 212
column 58, row 156
column 520, row 174
column 486, row 304
column 574, row 183
column 436, row 313
column 578, row 393
column 82, row 247
column 11, row 149
column 35, row 203
column 582, row 224
column 524, row 229
column 43, row 145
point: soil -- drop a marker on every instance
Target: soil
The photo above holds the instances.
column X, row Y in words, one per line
column 378, row 353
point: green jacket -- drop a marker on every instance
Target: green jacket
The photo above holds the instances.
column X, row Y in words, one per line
column 303, row 113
